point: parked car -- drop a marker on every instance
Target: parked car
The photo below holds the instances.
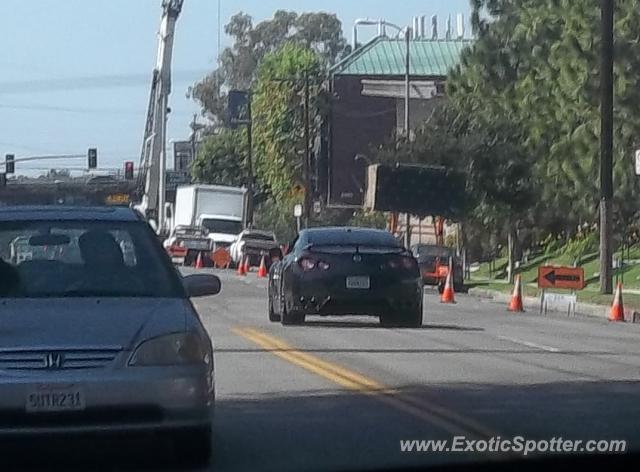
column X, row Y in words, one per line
column 253, row 244
column 434, row 265
column 346, row 271
column 97, row 341
column 186, row 242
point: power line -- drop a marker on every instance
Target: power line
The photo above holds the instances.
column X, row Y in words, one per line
column 80, row 110
column 90, row 82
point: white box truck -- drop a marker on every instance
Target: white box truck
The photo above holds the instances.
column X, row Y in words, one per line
column 221, row 210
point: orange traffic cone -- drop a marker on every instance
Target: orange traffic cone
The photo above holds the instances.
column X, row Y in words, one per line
column 448, row 293
column 241, row 269
column 516, row 297
column 247, row 266
column 199, row 262
column 617, row 309
column 262, row 270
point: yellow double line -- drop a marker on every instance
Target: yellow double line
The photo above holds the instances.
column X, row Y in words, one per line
column 437, row 415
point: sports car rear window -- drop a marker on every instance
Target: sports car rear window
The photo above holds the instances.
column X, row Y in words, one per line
column 349, row 249
column 358, row 238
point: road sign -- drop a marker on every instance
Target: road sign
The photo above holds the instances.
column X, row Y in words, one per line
column 177, row 178
column 117, row 199
column 297, row 211
column 571, row 278
column 239, row 107
column 221, row 258
column 297, row 191
column 317, row 206
column 637, row 162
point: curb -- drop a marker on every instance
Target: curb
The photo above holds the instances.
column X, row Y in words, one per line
column 533, row 304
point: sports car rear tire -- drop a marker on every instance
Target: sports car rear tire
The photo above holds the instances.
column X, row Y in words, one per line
column 291, row 318
column 273, row 317
column 411, row 318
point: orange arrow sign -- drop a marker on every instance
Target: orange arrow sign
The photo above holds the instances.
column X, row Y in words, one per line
column 571, row 278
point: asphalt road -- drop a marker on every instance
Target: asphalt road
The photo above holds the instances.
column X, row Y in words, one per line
column 340, row 393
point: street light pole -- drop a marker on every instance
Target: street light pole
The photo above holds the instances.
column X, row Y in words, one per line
column 407, row 99
column 407, row 79
column 307, row 154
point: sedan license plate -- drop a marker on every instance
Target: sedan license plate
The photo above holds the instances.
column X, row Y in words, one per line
column 360, row 282
column 55, row 399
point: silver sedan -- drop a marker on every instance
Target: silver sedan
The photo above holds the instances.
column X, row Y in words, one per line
column 93, row 339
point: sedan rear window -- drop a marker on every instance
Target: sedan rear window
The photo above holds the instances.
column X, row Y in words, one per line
column 83, row 259
column 258, row 237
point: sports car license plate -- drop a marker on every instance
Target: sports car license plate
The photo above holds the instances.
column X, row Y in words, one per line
column 55, row 399
column 361, row 282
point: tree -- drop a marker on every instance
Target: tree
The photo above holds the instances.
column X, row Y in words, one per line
column 238, row 65
column 278, row 111
column 499, row 187
column 535, row 65
column 222, row 159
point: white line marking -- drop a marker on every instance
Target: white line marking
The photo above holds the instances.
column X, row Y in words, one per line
column 530, row 344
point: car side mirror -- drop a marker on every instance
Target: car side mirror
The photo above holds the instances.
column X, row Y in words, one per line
column 201, row 285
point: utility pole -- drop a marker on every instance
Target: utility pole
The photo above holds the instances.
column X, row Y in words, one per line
column 194, row 127
column 606, row 146
column 307, row 156
column 407, row 99
column 250, row 162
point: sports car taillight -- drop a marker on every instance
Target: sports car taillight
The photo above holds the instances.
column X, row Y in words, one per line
column 402, row 262
column 393, row 264
column 409, row 263
column 323, row 265
column 307, row 264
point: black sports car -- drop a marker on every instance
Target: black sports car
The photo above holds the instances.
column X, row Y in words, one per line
column 346, row 271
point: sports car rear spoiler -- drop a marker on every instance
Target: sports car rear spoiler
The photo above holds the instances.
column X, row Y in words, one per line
column 357, row 248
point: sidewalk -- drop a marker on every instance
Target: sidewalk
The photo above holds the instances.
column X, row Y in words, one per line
column 533, row 303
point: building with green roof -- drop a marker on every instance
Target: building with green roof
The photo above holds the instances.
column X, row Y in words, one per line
column 368, row 96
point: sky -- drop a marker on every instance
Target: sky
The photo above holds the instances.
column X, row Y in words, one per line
column 76, row 73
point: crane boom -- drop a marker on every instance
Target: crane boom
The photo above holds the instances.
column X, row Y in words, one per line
column 153, row 158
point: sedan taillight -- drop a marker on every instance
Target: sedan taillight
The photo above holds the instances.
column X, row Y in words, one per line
column 177, row 251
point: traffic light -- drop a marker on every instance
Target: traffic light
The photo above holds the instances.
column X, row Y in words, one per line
column 92, row 158
column 128, row 170
column 9, row 164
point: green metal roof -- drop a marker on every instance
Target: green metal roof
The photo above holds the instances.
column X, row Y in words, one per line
column 386, row 56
